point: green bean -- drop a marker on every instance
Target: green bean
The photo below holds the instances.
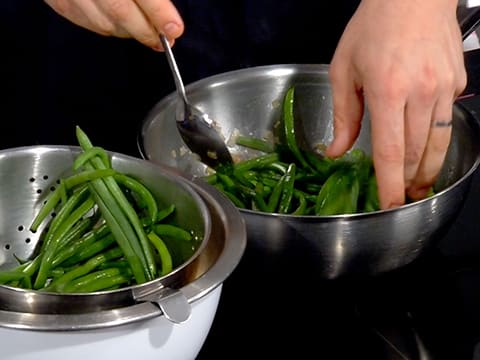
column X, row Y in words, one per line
column 271, row 174
column 289, row 126
column 259, row 202
column 87, row 175
column 7, row 276
column 227, row 181
column 164, row 213
column 310, row 198
column 269, row 182
column 371, row 195
column 302, row 206
column 56, row 273
column 241, row 181
column 211, row 179
column 256, row 162
column 278, row 166
column 138, row 228
column 97, row 280
column 362, row 165
column 165, row 257
column 69, row 239
column 256, row 183
column 274, row 198
column 60, row 283
column 32, row 266
column 262, row 189
column 119, row 264
column 117, row 223
column 255, row 143
column 247, row 192
column 220, row 187
column 48, row 207
column 138, row 188
column 145, row 255
column 339, row 194
column 88, row 251
column 172, row 231
column 63, row 232
column 63, row 213
column 58, row 234
column 90, row 153
column 323, row 166
column 81, row 243
column 254, row 179
column 287, row 190
column 60, row 192
column 312, row 188
column 235, row 200
column 104, row 284
column 75, row 232
column 63, row 192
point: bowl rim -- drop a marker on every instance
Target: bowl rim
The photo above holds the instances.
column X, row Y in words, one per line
column 295, row 68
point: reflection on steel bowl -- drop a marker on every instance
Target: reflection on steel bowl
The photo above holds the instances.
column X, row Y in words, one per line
column 247, row 102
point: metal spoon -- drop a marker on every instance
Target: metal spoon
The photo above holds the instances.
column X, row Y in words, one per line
column 195, row 127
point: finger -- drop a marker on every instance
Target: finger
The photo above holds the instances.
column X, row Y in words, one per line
column 461, row 77
column 83, row 13
column 164, row 17
column 459, row 65
column 388, row 148
column 435, row 151
column 129, row 18
column 348, row 109
column 418, row 115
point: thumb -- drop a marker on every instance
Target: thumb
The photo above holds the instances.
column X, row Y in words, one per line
column 348, row 109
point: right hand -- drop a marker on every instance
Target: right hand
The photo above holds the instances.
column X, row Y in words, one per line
column 142, row 20
column 404, row 58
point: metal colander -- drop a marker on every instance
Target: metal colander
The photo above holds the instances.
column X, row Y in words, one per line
column 29, row 174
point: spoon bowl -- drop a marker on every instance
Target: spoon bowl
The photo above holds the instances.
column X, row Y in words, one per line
column 195, row 127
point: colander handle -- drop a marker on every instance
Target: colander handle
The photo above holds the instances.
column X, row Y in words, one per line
column 172, row 302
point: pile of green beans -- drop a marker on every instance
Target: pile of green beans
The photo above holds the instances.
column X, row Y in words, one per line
column 287, row 179
column 105, row 231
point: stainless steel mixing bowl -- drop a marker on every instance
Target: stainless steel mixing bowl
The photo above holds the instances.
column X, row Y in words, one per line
column 248, row 102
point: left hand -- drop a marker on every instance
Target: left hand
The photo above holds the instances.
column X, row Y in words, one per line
column 405, row 59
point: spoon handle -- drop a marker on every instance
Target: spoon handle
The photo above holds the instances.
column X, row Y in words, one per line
column 174, row 68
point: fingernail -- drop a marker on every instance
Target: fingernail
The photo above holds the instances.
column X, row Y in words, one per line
column 393, row 206
column 171, row 30
column 331, row 150
column 418, row 193
column 158, row 48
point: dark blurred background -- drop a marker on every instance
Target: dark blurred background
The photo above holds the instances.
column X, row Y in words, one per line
column 55, row 75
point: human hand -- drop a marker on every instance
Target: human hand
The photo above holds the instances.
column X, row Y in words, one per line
column 142, row 20
column 404, row 58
